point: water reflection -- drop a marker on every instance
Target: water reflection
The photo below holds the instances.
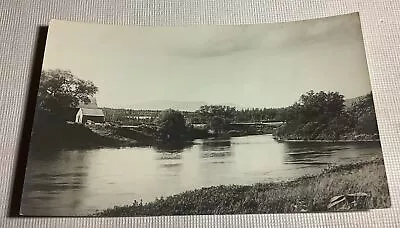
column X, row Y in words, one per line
column 320, row 153
column 56, row 179
column 172, row 165
column 168, row 156
column 177, row 147
column 216, row 145
column 81, row 182
column 169, row 160
column 214, row 148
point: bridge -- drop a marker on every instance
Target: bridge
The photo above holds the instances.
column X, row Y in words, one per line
column 247, row 124
column 264, row 123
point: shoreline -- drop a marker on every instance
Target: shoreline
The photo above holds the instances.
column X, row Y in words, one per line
column 123, row 142
column 107, row 136
column 327, row 141
column 311, row 193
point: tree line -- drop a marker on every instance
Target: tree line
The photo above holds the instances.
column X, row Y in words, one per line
column 316, row 115
column 324, row 116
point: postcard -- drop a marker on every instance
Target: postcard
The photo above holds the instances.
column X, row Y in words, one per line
column 204, row 120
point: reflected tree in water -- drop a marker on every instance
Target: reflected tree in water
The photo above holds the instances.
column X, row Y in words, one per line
column 216, row 145
column 172, row 147
column 216, row 148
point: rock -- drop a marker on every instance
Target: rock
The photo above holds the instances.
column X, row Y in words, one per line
column 348, row 202
column 338, row 203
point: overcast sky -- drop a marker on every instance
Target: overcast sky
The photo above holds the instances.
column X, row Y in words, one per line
column 266, row 65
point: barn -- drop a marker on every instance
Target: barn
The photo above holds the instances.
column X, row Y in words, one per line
column 93, row 114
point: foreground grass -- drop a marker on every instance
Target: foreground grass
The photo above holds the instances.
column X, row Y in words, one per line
column 306, row 194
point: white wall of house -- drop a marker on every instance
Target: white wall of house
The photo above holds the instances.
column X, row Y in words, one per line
column 79, row 116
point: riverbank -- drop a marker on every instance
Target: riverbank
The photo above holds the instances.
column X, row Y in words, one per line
column 345, row 137
column 326, row 141
column 306, row 194
column 72, row 136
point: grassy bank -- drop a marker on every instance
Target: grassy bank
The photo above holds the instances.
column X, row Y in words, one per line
column 306, row 194
column 327, row 141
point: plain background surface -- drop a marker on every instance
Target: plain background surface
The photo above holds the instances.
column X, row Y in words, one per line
column 19, row 23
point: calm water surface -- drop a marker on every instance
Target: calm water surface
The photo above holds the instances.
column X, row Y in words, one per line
column 83, row 181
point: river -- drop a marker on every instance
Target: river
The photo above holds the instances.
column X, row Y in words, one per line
column 80, row 182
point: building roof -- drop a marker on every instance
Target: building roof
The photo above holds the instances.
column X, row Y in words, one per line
column 92, row 112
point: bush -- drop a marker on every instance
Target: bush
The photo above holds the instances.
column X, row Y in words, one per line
column 171, row 125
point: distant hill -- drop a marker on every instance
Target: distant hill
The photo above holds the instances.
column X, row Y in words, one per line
column 177, row 105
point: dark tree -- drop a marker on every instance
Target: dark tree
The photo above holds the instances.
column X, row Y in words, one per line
column 317, row 116
column 171, row 125
column 363, row 112
column 321, row 106
column 60, row 89
column 218, row 117
column 217, row 124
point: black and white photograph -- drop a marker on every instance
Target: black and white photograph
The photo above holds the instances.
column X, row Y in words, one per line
column 204, row 120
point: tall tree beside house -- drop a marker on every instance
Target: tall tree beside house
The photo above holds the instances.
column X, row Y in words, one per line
column 60, row 89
